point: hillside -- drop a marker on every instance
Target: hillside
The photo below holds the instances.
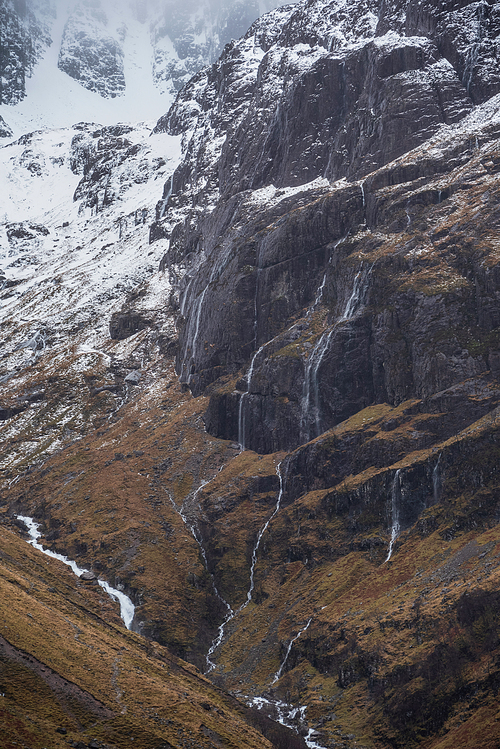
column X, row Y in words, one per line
column 250, row 376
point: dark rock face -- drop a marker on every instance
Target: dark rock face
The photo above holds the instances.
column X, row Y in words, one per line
column 373, row 87
column 306, row 297
column 125, row 324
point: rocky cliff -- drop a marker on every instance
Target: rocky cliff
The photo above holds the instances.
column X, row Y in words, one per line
column 299, row 242
column 272, row 416
column 24, row 29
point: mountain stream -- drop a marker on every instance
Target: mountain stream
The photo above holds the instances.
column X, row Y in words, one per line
column 127, row 608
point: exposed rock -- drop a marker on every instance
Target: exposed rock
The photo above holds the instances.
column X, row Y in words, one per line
column 88, row 577
column 125, row 324
column 5, row 131
column 91, row 52
column 329, row 249
column 133, row 378
column 26, row 230
column 292, row 285
column 25, row 37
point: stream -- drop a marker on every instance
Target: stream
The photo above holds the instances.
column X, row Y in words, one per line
column 127, row 608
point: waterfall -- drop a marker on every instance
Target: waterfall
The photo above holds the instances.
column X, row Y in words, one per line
column 244, row 396
column 311, row 384
column 232, row 614
column 310, row 393
column 321, row 287
column 408, row 217
column 195, row 533
column 362, row 186
column 259, row 537
column 395, row 507
column 127, row 608
column 184, row 296
column 193, row 322
column 287, row 715
column 279, row 672
column 197, row 326
column 319, row 295
column 193, row 338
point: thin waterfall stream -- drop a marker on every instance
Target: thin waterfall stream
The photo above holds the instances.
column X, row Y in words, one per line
column 244, row 396
column 232, row 614
column 311, row 393
column 436, row 481
column 127, row 608
column 395, row 506
column 195, row 533
column 279, row 672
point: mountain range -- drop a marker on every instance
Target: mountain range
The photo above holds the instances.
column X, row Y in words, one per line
column 250, row 377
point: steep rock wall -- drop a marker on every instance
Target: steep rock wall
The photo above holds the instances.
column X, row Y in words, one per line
column 316, row 296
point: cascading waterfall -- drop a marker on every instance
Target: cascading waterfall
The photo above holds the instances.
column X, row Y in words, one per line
column 408, row 217
column 279, row 672
column 319, row 296
column 194, row 532
column 472, row 54
column 167, row 193
column 193, row 326
column 220, row 635
column 311, row 395
column 395, row 507
column 184, row 296
column 127, row 608
column 287, row 715
column 244, row 396
column 194, row 337
column 311, row 385
column 362, row 186
column 259, row 538
column 249, row 375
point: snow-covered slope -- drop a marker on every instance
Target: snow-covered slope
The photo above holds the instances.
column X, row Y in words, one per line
column 66, row 265
column 107, row 61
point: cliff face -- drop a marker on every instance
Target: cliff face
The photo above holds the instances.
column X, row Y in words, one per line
column 300, row 281
column 24, row 29
column 284, row 444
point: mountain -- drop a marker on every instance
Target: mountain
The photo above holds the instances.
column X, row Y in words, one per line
column 250, row 376
column 131, row 57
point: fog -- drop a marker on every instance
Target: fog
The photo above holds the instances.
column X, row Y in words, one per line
column 119, row 60
column 143, row 10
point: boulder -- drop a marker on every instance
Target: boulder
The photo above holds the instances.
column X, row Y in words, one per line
column 133, row 378
column 88, row 577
